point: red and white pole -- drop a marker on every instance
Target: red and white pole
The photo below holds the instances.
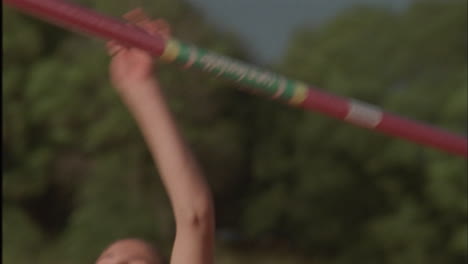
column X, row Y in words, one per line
column 296, row 93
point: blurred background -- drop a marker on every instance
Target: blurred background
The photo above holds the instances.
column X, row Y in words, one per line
column 290, row 186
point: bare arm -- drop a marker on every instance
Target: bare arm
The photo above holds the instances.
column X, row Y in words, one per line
column 187, row 189
column 185, row 184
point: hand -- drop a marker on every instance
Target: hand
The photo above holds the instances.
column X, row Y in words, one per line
column 131, row 67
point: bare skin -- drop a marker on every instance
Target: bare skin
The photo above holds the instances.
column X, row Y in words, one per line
column 129, row 251
column 131, row 72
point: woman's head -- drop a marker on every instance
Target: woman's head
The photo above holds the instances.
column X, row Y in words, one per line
column 130, row 251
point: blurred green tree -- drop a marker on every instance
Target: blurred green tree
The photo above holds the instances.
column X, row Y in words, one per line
column 346, row 195
column 77, row 174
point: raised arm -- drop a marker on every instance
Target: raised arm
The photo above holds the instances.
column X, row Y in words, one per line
column 131, row 73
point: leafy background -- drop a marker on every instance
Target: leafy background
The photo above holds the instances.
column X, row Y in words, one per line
column 290, row 186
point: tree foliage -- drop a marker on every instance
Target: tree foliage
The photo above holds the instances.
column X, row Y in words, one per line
column 77, row 174
column 346, row 195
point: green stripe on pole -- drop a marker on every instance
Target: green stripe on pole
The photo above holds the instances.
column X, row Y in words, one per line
column 265, row 82
column 258, row 81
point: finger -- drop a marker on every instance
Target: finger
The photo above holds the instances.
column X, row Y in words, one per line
column 133, row 14
column 157, row 27
column 137, row 18
column 146, row 25
column 136, row 15
column 163, row 28
column 113, row 48
column 114, row 51
column 112, row 43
